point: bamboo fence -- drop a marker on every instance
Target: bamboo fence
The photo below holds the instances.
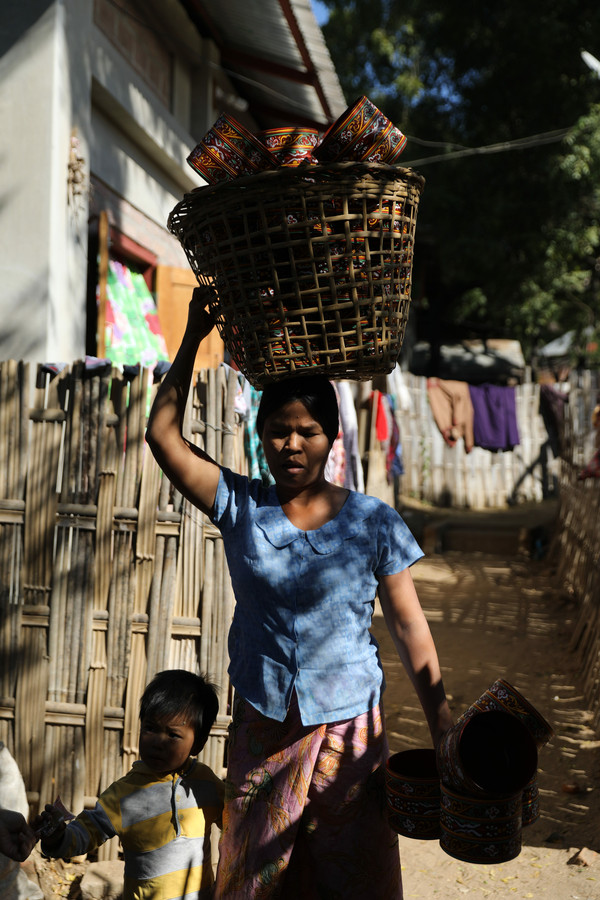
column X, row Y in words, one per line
column 578, row 536
column 579, row 573
column 108, row 574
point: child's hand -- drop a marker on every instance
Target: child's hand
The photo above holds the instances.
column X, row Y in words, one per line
column 50, row 825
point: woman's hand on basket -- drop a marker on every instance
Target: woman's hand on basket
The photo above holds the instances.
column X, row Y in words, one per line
column 200, row 319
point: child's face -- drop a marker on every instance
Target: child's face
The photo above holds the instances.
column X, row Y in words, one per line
column 166, row 744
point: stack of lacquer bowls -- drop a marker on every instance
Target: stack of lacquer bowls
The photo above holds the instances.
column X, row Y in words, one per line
column 480, row 789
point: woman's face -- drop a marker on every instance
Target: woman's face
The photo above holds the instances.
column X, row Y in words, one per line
column 295, row 445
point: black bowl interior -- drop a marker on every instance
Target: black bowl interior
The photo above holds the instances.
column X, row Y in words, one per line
column 419, row 763
column 498, row 752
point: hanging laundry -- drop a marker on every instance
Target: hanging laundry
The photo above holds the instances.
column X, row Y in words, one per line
column 53, row 368
column 242, row 401
column 552, row 411
column 394, row 460
column 397, row 387
column 132, row 330
column 596, row 425
column 253, row 448
column 353, row 475
column 452, row 410
column 382, row 430
column 160, row 369
column 494, row 417
column 400, row 401
column 335, row 468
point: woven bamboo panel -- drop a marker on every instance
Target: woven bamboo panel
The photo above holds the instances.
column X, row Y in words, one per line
column 107, row 574
column 579, row 572
column 312, row 266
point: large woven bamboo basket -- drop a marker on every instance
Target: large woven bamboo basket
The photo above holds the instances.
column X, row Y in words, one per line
column 312, row 266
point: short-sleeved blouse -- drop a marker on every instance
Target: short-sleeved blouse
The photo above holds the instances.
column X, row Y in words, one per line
column 305, row 599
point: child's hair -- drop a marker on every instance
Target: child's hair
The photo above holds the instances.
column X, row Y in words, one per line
column 315, row 391
column 177, row 691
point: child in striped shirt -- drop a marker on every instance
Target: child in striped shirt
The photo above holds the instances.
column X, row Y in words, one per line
column 162, row 810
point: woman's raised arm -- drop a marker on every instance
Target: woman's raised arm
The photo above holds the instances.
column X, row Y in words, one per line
column 191, row 470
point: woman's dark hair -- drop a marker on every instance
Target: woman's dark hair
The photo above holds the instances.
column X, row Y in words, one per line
column 315, row 391
column 176, row 692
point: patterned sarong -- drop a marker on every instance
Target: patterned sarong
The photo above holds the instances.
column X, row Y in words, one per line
column 305, row 811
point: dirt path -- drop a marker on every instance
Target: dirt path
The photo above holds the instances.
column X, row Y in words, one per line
column 494, row 618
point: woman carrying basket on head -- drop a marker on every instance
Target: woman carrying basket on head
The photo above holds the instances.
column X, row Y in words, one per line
column 305, row 810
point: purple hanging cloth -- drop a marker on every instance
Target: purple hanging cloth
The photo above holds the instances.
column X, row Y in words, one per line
column 494, row 417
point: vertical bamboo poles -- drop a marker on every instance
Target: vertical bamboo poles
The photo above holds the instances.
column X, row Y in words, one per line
column 96, row 681
column 126, row 653
column 14, row 420
column 122, row 650
column 68, row 654
column 40, row 520
column 147, row 501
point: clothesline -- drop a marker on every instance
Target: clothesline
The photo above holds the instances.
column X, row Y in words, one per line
column 482, row 415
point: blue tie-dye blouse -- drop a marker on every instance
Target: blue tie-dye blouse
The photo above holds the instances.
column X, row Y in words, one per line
column 304, row 600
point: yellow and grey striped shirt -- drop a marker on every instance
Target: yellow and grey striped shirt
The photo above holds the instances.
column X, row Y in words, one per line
column 163, row 824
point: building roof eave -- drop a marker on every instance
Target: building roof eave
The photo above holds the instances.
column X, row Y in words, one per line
column 273, row 49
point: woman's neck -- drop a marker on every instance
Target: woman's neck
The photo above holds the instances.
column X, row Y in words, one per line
column 312, row 507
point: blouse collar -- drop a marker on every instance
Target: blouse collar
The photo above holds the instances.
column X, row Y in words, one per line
column 280, row 532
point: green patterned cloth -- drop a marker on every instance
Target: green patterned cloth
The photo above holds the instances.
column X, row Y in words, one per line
column 132, row 332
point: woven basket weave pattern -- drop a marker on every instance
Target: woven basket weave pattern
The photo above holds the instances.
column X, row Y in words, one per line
column 312, row 266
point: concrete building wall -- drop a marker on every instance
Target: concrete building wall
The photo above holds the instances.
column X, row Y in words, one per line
column 86, row 128
column 34, row 148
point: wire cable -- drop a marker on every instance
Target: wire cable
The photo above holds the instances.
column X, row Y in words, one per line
column 534, row 140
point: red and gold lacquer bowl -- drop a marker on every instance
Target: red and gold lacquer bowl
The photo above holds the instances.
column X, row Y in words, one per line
column 228, row 150
column 290, row 146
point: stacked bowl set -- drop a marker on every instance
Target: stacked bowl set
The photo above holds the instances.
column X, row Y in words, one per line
column 308, row 243
column 480, row 789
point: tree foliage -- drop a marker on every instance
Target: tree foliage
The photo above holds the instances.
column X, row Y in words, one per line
column 508, row 241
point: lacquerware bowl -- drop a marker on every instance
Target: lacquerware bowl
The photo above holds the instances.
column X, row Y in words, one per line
column 480, row 829
column 290, row 146
column 490, row 753
column 228, row 150
column 413, row 793
column 503, row 697
column 531, row 802
column 362, row 133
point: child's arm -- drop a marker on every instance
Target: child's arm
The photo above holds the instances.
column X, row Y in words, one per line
column 85, row 833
